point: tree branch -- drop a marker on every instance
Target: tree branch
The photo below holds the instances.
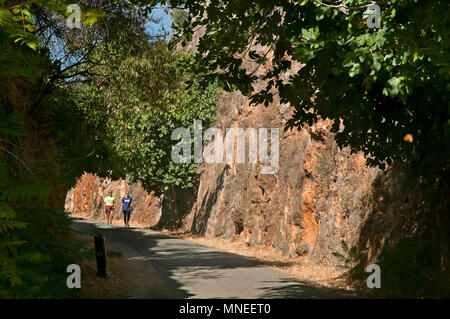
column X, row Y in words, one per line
column 337, row 6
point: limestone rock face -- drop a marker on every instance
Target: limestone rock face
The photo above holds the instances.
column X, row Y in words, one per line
column 318, row 197
column 86, row 200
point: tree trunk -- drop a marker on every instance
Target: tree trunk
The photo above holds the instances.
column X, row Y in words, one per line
column 175, row 202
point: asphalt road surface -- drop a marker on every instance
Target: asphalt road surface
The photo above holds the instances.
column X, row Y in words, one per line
column 190, row 270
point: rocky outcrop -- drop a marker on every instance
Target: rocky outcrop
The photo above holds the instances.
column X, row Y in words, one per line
column 85, row 200
column 319, row 196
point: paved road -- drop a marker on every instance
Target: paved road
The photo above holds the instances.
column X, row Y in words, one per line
column 190, row 270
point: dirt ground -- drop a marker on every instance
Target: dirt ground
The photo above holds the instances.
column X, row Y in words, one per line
column 127, row 278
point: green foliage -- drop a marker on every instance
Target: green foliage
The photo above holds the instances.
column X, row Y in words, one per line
column 408, row 270
column 35, row 258
column 352, row 261
column 386, row 89
column 139, row 106
column 35, row 241
column 16, row 23
column 17, row 20
column 382, row 83
column 34, row 245
column 8, row 247
column 80, row 144
column 348, row 257
column 179, row 17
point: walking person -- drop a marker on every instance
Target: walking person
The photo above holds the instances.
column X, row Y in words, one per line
column 126, row 208
column 109, row 207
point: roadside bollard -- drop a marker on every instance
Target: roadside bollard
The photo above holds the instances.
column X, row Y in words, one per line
column 100, row 253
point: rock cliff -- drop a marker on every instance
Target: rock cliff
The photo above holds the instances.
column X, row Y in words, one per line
column 85, row 200
column 319, row 196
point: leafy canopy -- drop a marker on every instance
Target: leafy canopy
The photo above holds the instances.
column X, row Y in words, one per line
column 45, row 140
column 140, row 105
column 389, row 86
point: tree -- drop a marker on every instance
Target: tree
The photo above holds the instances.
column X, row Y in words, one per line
column 386, row 89
column 139, row 107
column 45, row 141
column 388, row 85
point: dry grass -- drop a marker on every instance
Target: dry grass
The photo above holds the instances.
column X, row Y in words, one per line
column 126, row 278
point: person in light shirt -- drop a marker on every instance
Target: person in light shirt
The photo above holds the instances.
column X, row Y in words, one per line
column 109, row 208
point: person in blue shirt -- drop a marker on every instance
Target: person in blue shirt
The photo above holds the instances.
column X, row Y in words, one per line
column 126, row 209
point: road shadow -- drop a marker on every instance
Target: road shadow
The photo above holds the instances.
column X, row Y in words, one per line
column 142, row 242
column 183, row 265
column 285, row 289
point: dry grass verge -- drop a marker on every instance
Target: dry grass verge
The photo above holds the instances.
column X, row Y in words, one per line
column 126, row 278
